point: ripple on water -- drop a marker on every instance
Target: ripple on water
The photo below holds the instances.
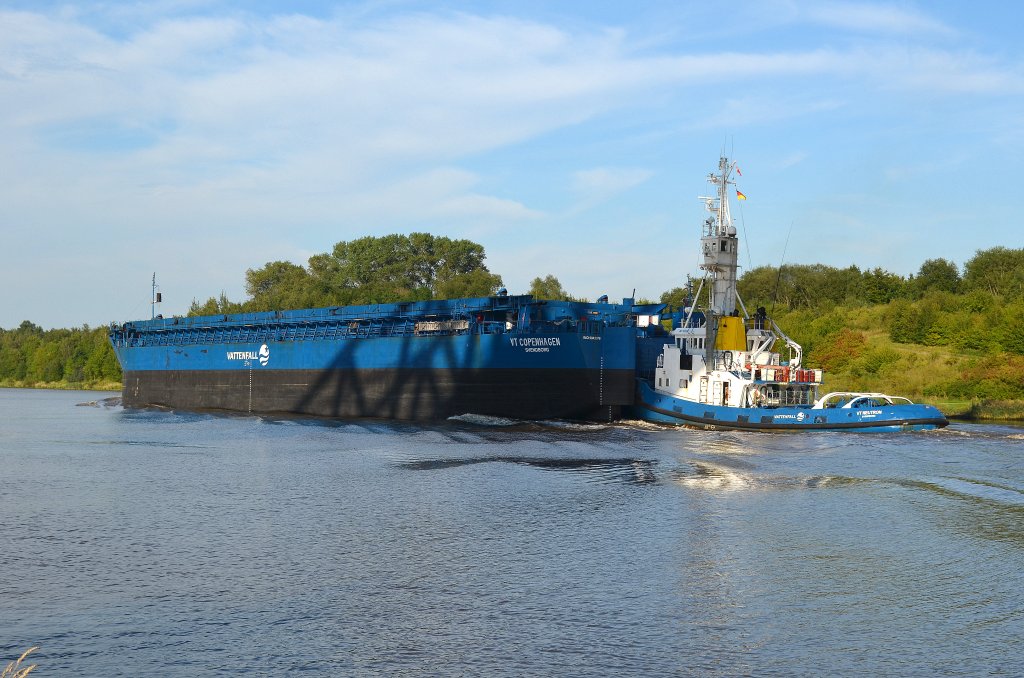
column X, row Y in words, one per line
column 597, row 469
column 973, row 489
column 1007, row 431
column 641, row 425
column 484, row 420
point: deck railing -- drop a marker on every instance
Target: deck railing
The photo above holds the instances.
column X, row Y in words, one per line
column 170, row 335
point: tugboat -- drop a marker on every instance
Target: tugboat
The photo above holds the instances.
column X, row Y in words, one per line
column 718, row 367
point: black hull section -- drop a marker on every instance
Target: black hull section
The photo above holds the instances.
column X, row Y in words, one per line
column 407, row 394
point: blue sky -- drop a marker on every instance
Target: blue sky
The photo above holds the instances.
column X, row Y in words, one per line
column 198, row 139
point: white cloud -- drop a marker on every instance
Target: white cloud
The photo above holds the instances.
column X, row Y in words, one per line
column 921, row 168
column 875, row 18
column 763, row 110
column 608, row 181
column 601, row 184
column 931, row 71
column 793, row 159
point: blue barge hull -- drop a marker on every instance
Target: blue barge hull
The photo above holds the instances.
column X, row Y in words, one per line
column 502, row 356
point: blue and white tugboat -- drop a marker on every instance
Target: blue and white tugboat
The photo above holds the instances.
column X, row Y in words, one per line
column 718, row 367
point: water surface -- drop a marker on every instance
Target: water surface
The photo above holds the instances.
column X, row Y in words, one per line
column 167, row 543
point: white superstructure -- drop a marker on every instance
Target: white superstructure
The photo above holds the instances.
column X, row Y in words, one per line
column 721, row 355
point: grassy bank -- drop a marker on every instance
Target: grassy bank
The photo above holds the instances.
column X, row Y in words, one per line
column 63, row 385
column 857, row 352
column 987, row 410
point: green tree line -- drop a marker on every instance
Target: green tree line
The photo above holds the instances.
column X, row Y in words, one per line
column 374, row 270
column 938, row 334
column 80, row 356
column 370, row 270
column 999, row 272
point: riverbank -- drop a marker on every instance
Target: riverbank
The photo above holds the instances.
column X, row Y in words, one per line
column 984, row 410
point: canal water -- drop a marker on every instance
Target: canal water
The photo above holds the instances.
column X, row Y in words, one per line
column 153, row 543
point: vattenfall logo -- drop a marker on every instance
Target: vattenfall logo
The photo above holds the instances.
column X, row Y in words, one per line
column 263, row 355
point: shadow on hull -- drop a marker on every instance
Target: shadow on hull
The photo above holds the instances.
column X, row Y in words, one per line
column 403, row 394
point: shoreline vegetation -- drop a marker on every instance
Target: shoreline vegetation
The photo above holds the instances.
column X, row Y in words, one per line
column 64, row 385
column 991, row 410
column 943, row 337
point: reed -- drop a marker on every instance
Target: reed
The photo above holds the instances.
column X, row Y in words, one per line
column 63, row 385
column 15, row 669
column 990, row 409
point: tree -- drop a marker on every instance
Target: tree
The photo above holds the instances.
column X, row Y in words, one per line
column 75, row 349
column 1012, row 328
column 368, row 270
column 102, row 364
column 45, row 363
column 13, row 363
column 478, row 283
column 800, row 286
column 905, row 322
column 677, row 297
column 881, row 287
column 997, row 271
column 396, row 267
column 547, row 287
column 836, row 350
column 756, row 286
column 936, row 274
column 278, row 285
column 215, row 306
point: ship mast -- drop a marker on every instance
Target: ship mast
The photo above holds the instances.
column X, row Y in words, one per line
column 719, row 244
column 155, row 298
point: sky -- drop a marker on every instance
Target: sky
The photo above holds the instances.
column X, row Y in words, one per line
column 199, row 139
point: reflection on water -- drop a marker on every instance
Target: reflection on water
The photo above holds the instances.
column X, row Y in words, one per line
column 599, row 469
column 709, row 477
column 169, row 543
